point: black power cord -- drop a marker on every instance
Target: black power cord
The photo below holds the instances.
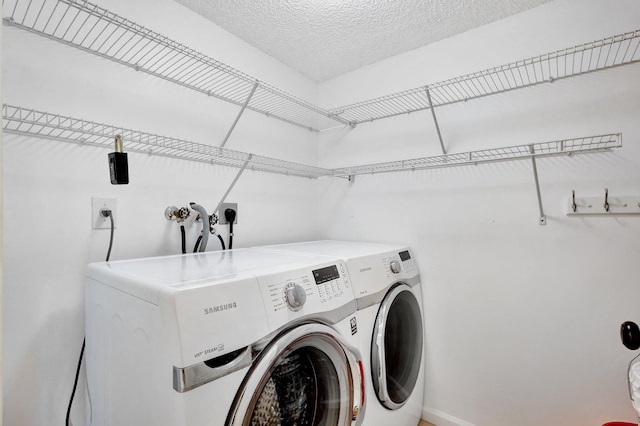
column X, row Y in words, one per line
column 221, row 242
column 75, row 382
column 184, row 240
column 105, row 213
column 230, row 215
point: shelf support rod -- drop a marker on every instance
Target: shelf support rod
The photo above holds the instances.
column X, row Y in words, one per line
column 242, row 169
column 543, row 218
column 435, row 120
column 244, row 106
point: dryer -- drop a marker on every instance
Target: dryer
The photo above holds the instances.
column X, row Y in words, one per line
column 387, row 288
column 239, row 337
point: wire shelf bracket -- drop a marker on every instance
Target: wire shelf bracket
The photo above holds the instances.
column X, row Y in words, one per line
column 435, row 120
column 233, row 183
column 244, row 106
column 24, row 121
column 543, row 219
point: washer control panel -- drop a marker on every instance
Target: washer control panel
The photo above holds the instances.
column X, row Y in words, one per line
column 295, row 296
column 300, row 292
column 330, row 282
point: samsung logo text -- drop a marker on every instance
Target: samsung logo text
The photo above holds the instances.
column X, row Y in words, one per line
column 220, row 308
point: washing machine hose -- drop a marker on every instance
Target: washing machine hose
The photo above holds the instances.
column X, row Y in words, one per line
column 204, row 236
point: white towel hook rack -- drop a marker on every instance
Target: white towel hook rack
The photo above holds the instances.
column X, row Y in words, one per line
column 611, row 205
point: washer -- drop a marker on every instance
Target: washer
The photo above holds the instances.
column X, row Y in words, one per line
column 239, row 337
column 387, row 287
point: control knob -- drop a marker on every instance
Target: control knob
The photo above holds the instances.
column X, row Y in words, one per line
column 395, row 266
column 295, row 296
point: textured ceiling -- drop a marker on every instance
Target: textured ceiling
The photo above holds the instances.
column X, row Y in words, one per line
column 325, row 38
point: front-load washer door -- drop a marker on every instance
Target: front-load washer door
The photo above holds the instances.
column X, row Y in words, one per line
column 396, row 347
column 305, row 376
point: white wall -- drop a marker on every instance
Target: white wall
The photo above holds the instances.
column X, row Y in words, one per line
column 521, row 319
column 48, row 187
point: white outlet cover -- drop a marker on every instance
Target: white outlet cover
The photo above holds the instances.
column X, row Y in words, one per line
column 97, row 220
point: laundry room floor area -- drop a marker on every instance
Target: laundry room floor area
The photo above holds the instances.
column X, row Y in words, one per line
column 425, row 423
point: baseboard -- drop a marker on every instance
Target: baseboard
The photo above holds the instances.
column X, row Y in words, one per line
column 439, row 418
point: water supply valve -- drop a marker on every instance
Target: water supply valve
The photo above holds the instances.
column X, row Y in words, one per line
column 213, row 220
column 118, row 164
column 177, row 214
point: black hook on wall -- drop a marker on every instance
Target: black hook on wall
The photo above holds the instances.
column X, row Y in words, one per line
column 574, row 207
column 606, row 199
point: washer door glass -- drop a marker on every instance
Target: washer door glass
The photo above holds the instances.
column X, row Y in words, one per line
column 307, row 376
column 396, row 347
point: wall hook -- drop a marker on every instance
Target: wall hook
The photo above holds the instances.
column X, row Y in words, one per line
column 620, row 205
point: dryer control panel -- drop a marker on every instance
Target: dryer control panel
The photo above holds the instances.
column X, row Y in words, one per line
column 400, row 263
column 312, row 291
column 374, row 273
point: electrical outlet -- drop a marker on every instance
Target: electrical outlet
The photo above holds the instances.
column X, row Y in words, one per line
column 221, row 219
column 98, row 221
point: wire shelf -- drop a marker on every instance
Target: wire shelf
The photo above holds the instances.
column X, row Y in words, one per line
column 545, row 149
column 31, row 122
column 24, row 121
column 598, row 55
column 93, row 29
column 96, row 30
